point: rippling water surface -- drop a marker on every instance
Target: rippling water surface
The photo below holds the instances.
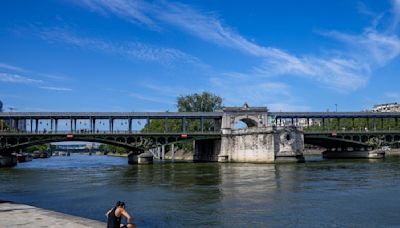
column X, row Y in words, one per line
column 319, row 193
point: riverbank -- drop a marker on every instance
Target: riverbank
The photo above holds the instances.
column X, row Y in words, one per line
column 21, row 215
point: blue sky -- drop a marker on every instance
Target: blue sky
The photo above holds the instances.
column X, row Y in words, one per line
column 121, row 55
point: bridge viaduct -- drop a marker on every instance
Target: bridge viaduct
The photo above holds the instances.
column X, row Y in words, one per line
column 264, row 136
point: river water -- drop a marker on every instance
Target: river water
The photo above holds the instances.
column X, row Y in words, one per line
column 318, row 193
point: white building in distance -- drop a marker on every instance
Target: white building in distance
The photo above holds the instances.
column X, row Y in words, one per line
column 388, row 107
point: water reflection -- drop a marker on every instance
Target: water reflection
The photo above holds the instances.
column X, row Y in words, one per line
column 317, row 193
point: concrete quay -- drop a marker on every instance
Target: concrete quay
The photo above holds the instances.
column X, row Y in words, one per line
column 20, row 215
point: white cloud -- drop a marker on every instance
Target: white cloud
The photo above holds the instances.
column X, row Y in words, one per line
column 396, row 13
column 373, row 48
column 55, row 88
column 237, row 90
column 344, row 73
column 136, row 50
column 133, row 11
column 151, row 98
column 393, row 95
column 11, row 67
column 15, row 78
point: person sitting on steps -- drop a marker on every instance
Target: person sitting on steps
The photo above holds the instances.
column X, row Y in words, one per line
column 114, row 216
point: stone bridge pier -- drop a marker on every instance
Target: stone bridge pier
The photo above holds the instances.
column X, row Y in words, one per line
column 7, row 159
column 257, row 142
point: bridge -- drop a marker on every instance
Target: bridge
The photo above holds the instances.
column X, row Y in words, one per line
column 141, row 131
column 343, row 129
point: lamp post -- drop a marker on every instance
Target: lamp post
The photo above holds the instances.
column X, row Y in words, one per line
column 336, row 107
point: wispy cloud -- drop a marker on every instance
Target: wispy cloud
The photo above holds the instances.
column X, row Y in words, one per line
column 346, row 71
column 135, row 50
column 152, row 99
column 19, row 79
column 55, row 88
column 393, row 95
column 15, row 78
column 373, row 48
column 164, row 90
column 12, row 67
column 133, row 11
column 55, row 77
column 236, row 90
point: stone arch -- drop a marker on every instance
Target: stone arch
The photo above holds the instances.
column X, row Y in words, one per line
column 396, row 138
column 250, row 121
column 364, row 138
column 121, row 139
column 130, row 140
column 161, row 140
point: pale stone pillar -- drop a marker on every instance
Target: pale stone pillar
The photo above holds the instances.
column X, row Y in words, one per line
column 173, row 152
column 163, row 152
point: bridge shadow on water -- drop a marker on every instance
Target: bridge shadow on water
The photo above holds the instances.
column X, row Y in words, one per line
column 184, row 194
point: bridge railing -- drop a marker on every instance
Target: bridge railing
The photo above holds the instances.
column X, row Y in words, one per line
column 116, row 132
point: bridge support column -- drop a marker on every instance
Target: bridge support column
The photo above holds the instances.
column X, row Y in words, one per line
column 141, row 159
column 8, row 160
column 163, row 152
column 262, row 145
column 173, row 152
column 329, row 124
column 36, row 125
column 111, row 124
column 206, row 150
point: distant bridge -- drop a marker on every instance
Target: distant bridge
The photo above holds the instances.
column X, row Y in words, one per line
column 143, row 130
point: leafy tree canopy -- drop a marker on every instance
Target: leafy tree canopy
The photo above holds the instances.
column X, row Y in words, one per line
column 204, row 102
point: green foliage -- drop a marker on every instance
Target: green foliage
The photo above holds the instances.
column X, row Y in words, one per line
column 376, row 141
column 204, row 102
column 42, row 147
column 356, row 124
column 111, row 148
column 158, row 125
column 3, row 124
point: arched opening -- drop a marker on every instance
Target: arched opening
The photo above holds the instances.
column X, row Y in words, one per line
column 388, row 138
column 364, row 138
column 397, row 138
column 245, row 122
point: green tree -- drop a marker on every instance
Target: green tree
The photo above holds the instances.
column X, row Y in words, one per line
column 204, row 102
column 112, row 148
column 196, row 102
column 42, row 147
